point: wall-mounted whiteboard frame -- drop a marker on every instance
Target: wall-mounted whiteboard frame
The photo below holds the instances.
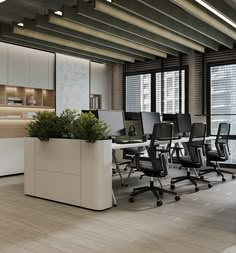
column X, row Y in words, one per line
column 72, row 83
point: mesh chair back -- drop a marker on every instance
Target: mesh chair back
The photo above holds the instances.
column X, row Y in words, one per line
column 222, row 138
column 161, row 132
column 196, row 141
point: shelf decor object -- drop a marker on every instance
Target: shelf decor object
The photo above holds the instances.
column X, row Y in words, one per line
column 31, row 101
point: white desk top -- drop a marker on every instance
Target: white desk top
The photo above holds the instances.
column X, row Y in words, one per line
column 147, row 143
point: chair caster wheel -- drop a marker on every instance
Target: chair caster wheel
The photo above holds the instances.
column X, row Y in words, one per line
column 201, row 177
column 159, row 203
column 172, row 186
column 196, row 189
column 161, row 193
column 177, row 198
column 126, row 185
column 218, row 174
column 223, row 179
column 125, row 169
column 209, row 185
column 113, row 172
column 233, row 176
column 131, row 200
column 115, row 205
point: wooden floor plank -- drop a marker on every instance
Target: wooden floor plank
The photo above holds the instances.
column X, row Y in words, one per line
column 200, row 222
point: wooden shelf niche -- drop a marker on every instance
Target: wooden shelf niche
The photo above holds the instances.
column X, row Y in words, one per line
column 18, row 105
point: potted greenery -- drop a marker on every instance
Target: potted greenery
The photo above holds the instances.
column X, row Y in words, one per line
column 74, row 166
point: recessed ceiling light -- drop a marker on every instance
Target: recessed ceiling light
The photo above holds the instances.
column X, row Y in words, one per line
column 109, row 1
column 2, row 1
column 216, row 12
column 20, row 24
column 58, row 13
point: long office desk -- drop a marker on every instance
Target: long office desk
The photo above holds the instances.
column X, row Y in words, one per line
column 117, row 146
column 147, row 143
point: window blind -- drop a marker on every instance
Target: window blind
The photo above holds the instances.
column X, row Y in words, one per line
column 170, row 95
column 138, row 93
column 223, row 101
column 223, row 96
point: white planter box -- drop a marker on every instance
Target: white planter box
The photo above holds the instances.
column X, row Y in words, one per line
column 69, row 171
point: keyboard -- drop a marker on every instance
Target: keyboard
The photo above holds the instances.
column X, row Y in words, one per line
column 128, row 141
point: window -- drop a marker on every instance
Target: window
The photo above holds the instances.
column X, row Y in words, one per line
column 169, row 96
column 223, row 100
column 138, row 93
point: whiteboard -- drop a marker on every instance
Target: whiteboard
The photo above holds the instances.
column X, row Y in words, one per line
column 72, row 83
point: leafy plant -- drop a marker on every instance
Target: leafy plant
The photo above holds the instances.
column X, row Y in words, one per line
column 66, row 122
column 89, row 128
column 70, row 124
column 45, row 126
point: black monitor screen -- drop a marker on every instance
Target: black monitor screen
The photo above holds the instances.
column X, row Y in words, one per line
column 114, row 120
column 184, row 123
column 148, row 120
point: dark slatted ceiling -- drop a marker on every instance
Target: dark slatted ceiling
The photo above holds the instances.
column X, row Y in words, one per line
column 119, row 31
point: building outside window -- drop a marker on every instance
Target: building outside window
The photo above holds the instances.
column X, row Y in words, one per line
column 223, row 101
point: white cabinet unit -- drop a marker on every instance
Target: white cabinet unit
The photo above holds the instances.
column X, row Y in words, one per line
column 51, row 71
column 70, row 171
column 3, row 63
column 39, row 69
column 18, row 66
column 12, row 156
column 26, row 67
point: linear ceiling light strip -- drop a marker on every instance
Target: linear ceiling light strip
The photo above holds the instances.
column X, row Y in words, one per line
column 88, row 30
column 109, row 9
column 188, row 6
column 40, row 36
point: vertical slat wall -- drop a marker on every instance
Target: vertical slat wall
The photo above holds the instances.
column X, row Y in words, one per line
column 117, row 87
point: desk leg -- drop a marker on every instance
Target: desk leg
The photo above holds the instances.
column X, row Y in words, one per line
column 117, row 166
column 114, row 198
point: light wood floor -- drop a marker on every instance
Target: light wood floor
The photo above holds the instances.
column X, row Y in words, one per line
column 203, row 222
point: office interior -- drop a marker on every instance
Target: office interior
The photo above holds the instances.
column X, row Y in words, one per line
column 168, row 57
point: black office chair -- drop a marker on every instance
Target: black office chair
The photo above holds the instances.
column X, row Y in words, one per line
column 157, row 165
column 221, row 154
column 194, row 159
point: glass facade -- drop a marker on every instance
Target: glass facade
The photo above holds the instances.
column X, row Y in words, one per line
column 223, row 101
column 168, row 97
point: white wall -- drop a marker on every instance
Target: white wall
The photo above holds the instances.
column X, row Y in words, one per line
column 101, row 83
column 72, row 83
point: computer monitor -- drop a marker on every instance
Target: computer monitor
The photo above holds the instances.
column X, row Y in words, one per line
column 132, row 116
column 172, row 118
column 184, row 123
column 148, row 119
column 114, row 120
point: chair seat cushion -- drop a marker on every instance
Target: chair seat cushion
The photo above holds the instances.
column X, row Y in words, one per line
column 213, row 155
column 147, row 169
column 187, row 162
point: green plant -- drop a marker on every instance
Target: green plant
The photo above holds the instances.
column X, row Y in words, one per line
column 89, row 128
column 44, row 126
column 66, row 122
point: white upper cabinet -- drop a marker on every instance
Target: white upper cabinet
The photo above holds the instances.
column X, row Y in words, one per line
column 18, row 66
column 26, row 67
column 51, row 77
column 3, row 63
column 39, row 69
